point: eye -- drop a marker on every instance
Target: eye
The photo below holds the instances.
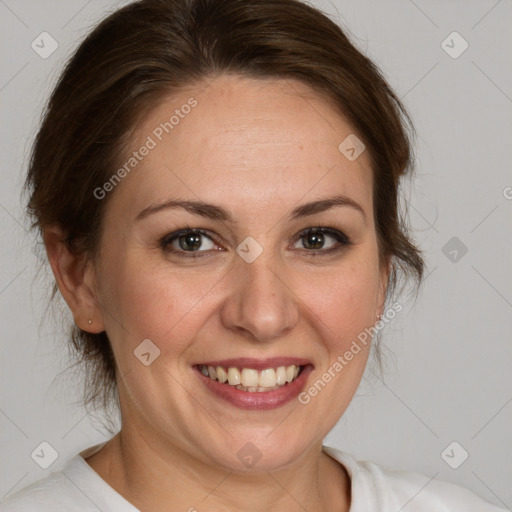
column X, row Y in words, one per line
column 191, row 242
column 188, row 241
column 322, row 240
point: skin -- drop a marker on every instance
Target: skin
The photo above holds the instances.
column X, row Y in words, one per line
column 258, row 148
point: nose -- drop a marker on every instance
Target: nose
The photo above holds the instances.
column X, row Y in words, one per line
column 261, row 304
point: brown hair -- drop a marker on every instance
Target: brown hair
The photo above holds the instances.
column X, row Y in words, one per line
column 151, row 48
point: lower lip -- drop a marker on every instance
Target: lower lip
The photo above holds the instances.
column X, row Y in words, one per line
column 257, row 401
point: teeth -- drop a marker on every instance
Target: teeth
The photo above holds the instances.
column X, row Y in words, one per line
column 281, row 376
column 268, row 378
column 249, row 377
column 251, row 380
column 222, row 375
column 256, row 389
column 234, row 377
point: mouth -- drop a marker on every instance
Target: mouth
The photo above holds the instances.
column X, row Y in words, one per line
column 255, row 384
column 250, row 379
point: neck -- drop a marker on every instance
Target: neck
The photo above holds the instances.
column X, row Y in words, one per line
column 150, row 474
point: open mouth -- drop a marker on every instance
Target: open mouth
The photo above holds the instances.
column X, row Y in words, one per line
column 252, row 380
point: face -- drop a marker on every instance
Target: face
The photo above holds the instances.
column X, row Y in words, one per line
column 242, row 283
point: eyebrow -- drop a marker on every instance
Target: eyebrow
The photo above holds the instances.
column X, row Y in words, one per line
column 215, row 212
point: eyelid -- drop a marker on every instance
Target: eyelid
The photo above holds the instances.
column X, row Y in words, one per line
column 334, row 232
column 167, row 239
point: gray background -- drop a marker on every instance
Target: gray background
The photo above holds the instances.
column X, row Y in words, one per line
column 449, row 354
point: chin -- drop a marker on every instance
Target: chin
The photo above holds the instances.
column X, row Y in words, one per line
column 261, row 450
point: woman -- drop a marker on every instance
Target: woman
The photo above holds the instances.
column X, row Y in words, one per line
column 216, row 186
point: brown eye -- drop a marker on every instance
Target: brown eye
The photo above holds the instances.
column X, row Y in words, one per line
column 314, row 240
column 322, row 239
column 188, row 240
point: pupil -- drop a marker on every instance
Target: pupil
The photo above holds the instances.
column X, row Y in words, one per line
column 190, row 241
column 314, row 240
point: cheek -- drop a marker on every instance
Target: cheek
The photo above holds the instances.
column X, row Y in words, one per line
column 343, row 299
column 158, row 302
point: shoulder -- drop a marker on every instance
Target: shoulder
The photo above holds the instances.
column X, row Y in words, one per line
column 384, row 489
column 76, row 487
column 55, row 492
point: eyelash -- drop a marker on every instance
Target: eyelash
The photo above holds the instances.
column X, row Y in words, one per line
column 342, row 239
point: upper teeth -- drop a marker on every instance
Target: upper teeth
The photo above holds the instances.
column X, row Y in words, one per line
column 249, row 377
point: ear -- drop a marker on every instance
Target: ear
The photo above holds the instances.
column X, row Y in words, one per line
column 76, row 279
column 383, row 286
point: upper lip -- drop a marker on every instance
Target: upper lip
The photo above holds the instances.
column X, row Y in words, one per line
column 257, row 364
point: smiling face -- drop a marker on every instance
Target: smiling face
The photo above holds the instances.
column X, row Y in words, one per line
column 252, row 290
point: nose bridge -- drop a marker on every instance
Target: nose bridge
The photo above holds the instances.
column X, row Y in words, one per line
column 260, row 301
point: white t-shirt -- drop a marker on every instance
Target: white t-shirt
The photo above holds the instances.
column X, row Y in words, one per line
column 77, row 487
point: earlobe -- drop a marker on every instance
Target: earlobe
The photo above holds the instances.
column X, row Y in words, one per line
column 75, row 278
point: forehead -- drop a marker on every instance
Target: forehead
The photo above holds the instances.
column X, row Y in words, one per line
column 245, row 142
